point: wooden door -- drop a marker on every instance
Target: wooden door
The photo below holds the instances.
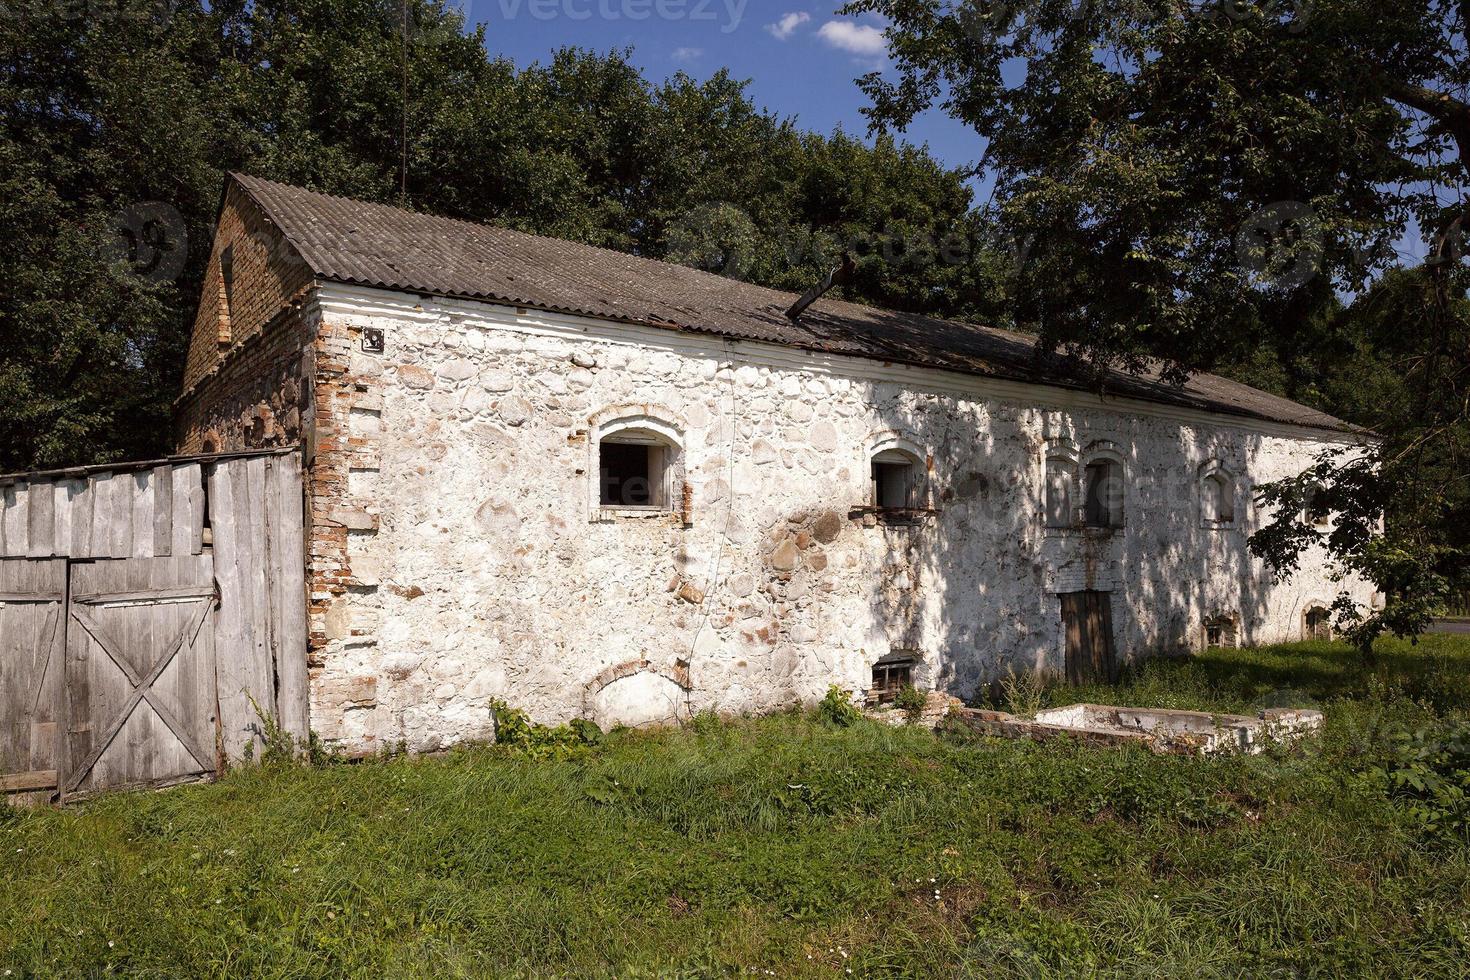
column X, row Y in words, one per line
column 140, row 673
column 1087, row 619
column 32, row 638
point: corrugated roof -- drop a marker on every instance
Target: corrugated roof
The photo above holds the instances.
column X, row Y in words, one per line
column 355, row 242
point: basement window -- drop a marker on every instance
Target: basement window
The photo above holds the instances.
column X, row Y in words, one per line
column 632, row 470
column 890, row 675
column 1220, row 632
column 1317, row 623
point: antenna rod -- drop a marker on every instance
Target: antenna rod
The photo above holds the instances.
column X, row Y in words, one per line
column 840, row 275
column 403, row 107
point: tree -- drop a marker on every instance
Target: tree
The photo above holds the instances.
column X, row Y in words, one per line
column 1201, row 180
column 117, row 125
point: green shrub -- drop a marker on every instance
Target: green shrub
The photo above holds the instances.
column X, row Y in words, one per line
column 515, row 731
column 910, row 701
column 837, row 708
column 1428, row 774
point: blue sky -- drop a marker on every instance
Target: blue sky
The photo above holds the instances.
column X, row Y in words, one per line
column 801, row 60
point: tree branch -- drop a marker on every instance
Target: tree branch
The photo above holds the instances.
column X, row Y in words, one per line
column 1454, row 115
column 1444, row 109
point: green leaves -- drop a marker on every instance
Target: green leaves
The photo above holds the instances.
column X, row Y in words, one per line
column 836, row 708
column 1428, row 774
column 129, row 110
column 1206, row 184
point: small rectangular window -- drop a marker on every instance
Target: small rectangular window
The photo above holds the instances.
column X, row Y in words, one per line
column 891, row 485
column 1316, row 513
column 631, row 474
column 894, row 480
column 890, row 675
column 1220, row 632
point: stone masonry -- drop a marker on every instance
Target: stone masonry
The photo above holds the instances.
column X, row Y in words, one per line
column 458, row 472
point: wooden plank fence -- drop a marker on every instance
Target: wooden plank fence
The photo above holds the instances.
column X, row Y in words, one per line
column 150, row 614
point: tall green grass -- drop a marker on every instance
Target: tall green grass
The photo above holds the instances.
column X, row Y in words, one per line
column 782, row 844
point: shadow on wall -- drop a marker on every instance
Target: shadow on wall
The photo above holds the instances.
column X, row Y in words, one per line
column 974, row 587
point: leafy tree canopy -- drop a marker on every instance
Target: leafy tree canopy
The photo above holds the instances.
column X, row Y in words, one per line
column 120, row 121
column 1202, row 182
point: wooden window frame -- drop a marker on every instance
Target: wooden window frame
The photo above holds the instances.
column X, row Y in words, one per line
column 896, row 672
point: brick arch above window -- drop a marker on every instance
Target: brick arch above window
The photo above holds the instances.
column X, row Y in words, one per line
column 1104, row 449
column 655, row 413
column 1061, row 449
column 891, row 440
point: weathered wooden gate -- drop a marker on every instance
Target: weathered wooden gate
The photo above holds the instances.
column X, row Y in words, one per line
column 151, row 617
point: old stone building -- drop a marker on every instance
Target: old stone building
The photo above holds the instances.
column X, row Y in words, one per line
column 597, row 485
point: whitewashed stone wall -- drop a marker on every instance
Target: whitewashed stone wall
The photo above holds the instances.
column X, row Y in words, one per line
column 486, row 570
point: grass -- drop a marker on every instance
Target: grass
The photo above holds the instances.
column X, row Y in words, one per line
column 782, row 844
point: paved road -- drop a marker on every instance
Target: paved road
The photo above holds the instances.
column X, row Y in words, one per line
column 1451, row 626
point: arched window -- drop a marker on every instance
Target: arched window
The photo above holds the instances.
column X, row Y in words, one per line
column 1314, row 511
column 1316, row 623
column 897, row 474
column 1217, row 496
column 1060, row 477
column 639, row 461
column 1103, row 486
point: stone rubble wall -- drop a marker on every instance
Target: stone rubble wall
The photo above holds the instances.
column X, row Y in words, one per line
column 458, row 554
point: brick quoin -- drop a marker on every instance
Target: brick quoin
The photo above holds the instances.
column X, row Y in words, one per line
column 263, row 370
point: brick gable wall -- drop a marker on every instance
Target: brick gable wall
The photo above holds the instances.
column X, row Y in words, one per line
column 245, row 380
column 268, row 276
column 266, row 370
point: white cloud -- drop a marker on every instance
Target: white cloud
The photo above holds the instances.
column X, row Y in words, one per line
column 862, row 39
column 787, row 24
column 687, row 55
